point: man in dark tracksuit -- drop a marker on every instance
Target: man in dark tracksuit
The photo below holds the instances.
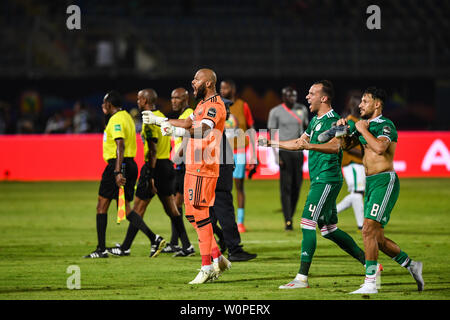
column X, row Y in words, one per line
column 290, row 119
column 223, row 209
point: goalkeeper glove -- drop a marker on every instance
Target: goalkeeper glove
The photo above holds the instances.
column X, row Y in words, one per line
column 263, row 142
column 149, row 118
column 167, row 130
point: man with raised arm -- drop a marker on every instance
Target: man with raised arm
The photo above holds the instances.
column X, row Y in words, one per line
column 205, row 129
column 378, row 136
column 324, row 163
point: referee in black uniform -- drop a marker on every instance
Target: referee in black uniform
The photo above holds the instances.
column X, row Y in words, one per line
column 119, row 150
column 156, row 178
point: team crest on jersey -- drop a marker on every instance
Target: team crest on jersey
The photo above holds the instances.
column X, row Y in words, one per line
column 212, row 113
column 317, row 128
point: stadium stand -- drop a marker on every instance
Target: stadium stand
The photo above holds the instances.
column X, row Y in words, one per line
column 278, row 40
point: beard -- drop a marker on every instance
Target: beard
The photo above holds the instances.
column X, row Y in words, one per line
column 201, row 92
column 366, row 116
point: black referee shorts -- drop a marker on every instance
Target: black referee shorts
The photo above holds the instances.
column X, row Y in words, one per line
column 180, row 171
column 164, row 180
column 108, row 187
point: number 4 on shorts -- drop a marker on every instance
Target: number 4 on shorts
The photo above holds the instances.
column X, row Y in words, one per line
column 312, row 208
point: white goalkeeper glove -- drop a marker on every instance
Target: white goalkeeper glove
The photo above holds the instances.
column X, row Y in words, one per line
column 149, row 118
column 169, row 130
column 263, row 142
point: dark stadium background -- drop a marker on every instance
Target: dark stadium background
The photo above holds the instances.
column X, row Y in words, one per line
column 263, row 45
column 49, row 182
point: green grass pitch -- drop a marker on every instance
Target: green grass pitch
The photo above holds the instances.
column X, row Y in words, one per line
column 48, row 226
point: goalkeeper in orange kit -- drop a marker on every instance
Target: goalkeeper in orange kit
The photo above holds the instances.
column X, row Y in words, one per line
column 205, row 129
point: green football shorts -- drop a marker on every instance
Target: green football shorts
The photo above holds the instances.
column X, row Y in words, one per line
column 382, row 192
column 320, row 205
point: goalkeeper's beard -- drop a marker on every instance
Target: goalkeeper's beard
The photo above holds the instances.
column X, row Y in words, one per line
column 201, row 92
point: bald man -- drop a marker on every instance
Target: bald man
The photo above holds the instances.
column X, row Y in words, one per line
column 205, row 129
column 290, row 118
column 156, row 177
column 180, row 105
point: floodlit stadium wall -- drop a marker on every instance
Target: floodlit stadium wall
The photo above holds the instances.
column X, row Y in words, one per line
column 65, row 157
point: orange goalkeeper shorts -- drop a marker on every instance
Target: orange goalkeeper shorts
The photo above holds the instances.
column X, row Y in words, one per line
column 199, row 191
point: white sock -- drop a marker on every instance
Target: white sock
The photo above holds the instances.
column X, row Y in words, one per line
column 344, row 204
column 370, row 279
column 207, row 268
column 301, row 277
column 358, row 208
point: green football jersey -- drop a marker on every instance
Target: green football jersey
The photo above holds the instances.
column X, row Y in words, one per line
column 323, row 167
column 381, row 127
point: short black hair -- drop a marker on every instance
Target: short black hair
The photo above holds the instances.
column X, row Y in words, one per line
column 230, row 82
column 377, row 93
column 287, row 89
column 327, row 88
column 114, row 98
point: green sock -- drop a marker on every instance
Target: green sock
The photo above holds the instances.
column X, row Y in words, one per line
column 346, row 243
column 371, row 268
column 402, row 259
column 304, row 268
column 308, row 248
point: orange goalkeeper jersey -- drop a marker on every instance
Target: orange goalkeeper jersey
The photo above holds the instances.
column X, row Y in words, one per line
column 203, row 155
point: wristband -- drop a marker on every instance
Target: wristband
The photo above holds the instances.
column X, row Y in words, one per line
column 178, row 132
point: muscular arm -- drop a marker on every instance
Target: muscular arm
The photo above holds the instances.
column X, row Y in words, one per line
column 377, row 145
column 302, row 143
column 182, row 123
column 295, row 144
column 332, row 146
column 196, row 133
column 119, row 153
column 199, row 132
column 120, row 143
column 151, row 159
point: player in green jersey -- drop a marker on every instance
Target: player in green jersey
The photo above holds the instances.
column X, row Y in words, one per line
column 378, row 137
column 324, row 162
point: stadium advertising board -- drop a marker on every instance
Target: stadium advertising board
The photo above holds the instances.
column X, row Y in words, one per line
column 79, row 157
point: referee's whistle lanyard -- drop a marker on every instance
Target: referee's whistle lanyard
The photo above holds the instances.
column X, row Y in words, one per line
column 292, row 113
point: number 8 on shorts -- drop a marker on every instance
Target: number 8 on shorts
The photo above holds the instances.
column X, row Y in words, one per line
column 382, row 192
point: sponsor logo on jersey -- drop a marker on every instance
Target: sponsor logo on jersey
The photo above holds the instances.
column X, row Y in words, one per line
column 212, row 112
